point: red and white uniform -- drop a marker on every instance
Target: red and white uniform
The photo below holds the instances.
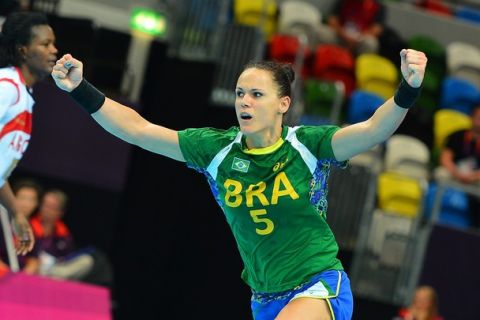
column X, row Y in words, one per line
column 15, row 120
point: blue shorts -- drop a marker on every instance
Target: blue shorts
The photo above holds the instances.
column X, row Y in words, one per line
column 331, row 285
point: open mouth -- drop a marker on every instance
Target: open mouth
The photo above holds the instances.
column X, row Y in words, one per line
column 245, row 116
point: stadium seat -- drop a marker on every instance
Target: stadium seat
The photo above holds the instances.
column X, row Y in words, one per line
column 468, row 14
column 436, row 7
column 323, row 98
column 376, row 74
column 459, row 94
column 259, row 13
column 454, row 208
column 299, row 18
column 446, row 122
column 463, row 61
column 362, row 105
column 407, row 155
column 399, row 193
column 435, row 71
column 287, row 48
column 334, row 62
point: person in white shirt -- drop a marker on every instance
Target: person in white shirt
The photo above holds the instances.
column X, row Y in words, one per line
column 27, row 55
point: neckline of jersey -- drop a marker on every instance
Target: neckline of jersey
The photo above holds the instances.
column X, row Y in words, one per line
column 269, row 149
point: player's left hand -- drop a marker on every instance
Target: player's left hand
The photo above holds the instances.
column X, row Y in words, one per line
column 24, row 238
column 413, row 65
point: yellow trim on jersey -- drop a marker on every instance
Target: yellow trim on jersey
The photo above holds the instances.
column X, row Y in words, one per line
column 338, row 283
column 331, row 309
column 265, row 150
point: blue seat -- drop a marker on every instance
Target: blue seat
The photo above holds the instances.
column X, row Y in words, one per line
column 455, row 219
column 454, row 209
column 362, row 105
column 458, row 94
column 468, row 14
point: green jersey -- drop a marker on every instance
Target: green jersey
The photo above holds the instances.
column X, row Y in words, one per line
column 274, row 199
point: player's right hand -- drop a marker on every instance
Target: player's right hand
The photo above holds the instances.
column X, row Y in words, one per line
column 67, row 72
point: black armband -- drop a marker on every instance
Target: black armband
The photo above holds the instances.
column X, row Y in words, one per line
column 88, row 97
column 406, row 95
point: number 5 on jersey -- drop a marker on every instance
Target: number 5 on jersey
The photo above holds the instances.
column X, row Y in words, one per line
column 267, row 224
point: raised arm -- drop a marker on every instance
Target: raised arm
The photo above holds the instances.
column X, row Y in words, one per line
column 360, row 137
column 121, row 121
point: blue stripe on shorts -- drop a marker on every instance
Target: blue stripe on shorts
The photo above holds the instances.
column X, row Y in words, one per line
column 331, row 285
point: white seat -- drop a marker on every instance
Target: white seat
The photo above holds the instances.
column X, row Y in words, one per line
column 407, row 155
column 461, row 54
column 463, row 61
column 298, row 17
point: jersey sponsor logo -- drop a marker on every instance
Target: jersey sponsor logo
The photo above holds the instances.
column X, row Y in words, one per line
column 240, row 165
column 279, row 165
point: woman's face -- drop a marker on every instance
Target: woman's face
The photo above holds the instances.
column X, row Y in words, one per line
column 257, row 104
column 423, row 300
column 27, row 200
column 40, row 55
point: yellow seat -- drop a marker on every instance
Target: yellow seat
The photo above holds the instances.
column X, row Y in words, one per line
column 258, row 13
column 400, row 194
column 446, row 122
column 376, row 74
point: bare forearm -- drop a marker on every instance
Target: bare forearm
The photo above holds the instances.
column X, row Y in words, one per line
column 121, row 121
column 126, row 124
column 446, row 160
column 385, row 121
column 359, row 137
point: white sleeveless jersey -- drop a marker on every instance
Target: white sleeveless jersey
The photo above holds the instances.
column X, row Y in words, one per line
column 15, row 120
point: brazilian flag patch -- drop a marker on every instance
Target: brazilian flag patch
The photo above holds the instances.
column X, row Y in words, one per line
column 240, row 165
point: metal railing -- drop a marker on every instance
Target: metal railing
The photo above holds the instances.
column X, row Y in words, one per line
column 7, row 234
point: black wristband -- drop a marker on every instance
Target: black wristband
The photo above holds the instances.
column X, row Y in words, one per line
column 406, row 95
column 88, row 97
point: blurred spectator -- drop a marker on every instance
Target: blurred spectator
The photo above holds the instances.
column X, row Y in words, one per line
column 424, row 306
column 460, row 160
column 27, row 193
column 355, row 24
column 55, row 254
